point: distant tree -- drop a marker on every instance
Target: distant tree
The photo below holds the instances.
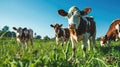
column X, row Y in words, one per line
column 8, row 34
column 38, row 37
column 13, row 34
column 53, row 38
column 0, row 31
column 5, row 32
column 35, row 34
column 5, row 29
column 46, row 38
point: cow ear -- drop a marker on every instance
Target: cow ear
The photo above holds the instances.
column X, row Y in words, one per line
column 86, row 11
column 51, row 25
column 62, row 12
column 60, row 25
column 14, row 28
column 25, row 28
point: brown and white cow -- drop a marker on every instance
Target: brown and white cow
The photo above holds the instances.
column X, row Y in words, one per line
column 112, row 34
column 24, row 35
column 60, row 33
column 82, row 28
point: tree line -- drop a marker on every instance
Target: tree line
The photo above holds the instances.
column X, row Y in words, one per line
column 6, row 33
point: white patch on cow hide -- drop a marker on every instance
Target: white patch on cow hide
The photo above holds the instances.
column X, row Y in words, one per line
column 57, row 40
column 84, row 18
column 117, row 27
column 17, row 34
column 119, row 34
column 74, row 16
column 89, row 43
column 101, row 43
column 73, row 42
column 26, row 32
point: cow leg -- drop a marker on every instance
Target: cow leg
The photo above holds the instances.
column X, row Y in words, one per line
column 31, row 41
column 94, row 42
column 117, row 38
column 63, row 41
column 118, row 34
column 19, row 43
column 73, row 47
column 57, row 40
column 85, row 38
column 26, row 44
column 89, row 44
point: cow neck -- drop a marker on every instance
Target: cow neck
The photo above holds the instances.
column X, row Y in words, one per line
column 67, row 34
column 60, row 33
column 82, row 27
column 112, row 33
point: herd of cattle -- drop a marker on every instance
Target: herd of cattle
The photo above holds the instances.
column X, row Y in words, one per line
column 80, row 28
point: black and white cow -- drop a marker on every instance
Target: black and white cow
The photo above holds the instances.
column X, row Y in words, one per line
column 24, row 35
column 61, row 33
column 82, row 28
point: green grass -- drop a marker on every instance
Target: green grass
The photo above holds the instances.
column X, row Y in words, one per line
column 48, row 54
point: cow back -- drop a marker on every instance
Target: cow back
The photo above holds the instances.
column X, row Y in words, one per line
column 84, row 26
column 112, row 27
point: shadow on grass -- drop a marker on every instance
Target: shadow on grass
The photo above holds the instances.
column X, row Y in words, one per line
column 110, row 49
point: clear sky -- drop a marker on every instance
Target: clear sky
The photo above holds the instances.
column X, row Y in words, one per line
column 39, row 14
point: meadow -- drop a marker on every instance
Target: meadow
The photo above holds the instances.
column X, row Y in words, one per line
column 45, row 53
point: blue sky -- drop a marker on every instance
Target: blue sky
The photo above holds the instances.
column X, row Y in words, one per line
column 39, row 14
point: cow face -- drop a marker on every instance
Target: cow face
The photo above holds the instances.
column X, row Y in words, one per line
column 74, row 15
column 56, row 28
column 104, row 40
column 19, row 31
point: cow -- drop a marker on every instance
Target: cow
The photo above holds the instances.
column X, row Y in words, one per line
column 113, row 34
column 82, row 28
column 23, row 36
column 60, row 33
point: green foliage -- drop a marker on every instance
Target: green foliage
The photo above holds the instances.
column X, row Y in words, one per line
column 5, row 28
column 38, row 37
column 46, row 38
column 5, row 33
column 48, row 54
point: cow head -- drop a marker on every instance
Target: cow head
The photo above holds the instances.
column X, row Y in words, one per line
column 104, row 40
column 56, row 28
column 25, row 31
column 74, row 15
column 18, row 30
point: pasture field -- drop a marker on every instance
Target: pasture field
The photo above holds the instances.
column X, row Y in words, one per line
column 48, row 54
